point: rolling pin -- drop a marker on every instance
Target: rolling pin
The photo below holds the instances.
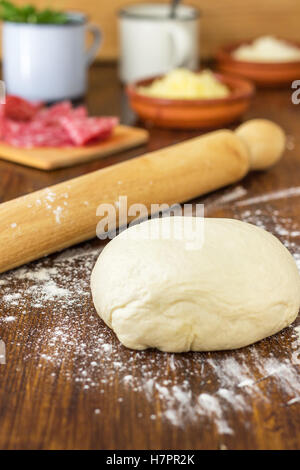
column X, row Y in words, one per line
column 59, row 216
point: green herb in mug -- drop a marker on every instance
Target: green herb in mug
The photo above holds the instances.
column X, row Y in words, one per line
column 29, row 14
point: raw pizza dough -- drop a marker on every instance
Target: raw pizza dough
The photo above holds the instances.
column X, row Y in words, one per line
column 241, row 286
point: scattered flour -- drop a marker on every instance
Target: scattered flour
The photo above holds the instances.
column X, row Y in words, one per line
column 297, row 331
column 7, row 319
column 58, row 212
column 273, row 196
column 290, row 142
column 12, row 299
column 229, row 195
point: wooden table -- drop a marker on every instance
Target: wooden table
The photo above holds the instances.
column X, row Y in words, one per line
column 69, row 384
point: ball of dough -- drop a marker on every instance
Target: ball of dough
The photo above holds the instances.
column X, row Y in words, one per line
column 173, row 294
column 265, row 141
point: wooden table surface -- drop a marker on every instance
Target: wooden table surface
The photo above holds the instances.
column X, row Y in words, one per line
column 69, row 384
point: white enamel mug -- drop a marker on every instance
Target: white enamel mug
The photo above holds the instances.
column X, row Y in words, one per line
column 152, row 43
column 48, row 62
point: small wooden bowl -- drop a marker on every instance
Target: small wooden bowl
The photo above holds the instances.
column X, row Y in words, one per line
column 192, row 113
column 261, row 73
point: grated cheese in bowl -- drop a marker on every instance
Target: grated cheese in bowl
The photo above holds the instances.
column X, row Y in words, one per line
column 267, row 49
column 185, row 84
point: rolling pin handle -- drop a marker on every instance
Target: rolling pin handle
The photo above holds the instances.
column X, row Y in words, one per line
column 264, row 140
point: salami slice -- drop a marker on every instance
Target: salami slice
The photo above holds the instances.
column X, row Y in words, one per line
column 19, row 109
column 35, row 134
column 84, row 130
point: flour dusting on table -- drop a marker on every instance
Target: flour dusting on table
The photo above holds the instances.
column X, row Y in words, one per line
column 66, row 337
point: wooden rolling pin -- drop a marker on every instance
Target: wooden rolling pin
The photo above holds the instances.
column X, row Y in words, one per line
column 57, row 217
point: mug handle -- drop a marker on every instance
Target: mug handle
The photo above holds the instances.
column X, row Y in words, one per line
column 93, row 49
column 181, row 45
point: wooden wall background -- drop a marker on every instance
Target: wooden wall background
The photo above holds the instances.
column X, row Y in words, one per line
column 222, row 20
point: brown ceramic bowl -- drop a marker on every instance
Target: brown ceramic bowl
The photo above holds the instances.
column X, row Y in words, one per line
column 261, row 73
column 192, row 113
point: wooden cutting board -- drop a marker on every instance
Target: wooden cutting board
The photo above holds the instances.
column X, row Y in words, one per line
column 46, row 158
